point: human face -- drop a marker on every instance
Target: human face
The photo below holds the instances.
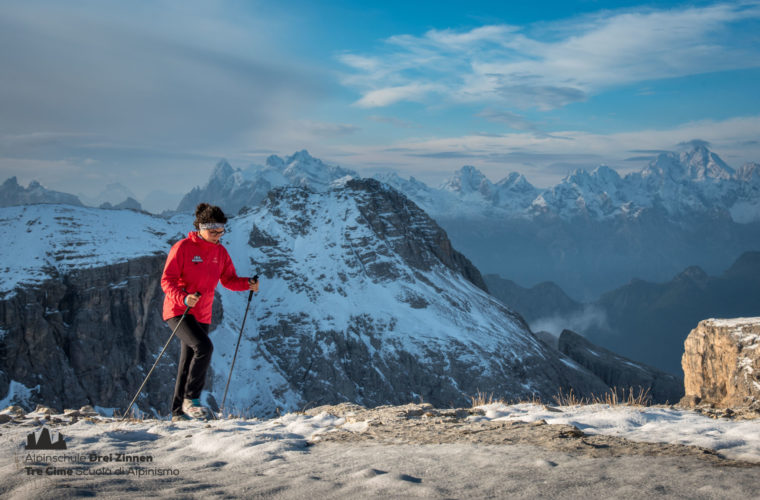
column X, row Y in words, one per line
column 211, row 235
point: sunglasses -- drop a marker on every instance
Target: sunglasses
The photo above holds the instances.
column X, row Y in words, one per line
column 216, row 232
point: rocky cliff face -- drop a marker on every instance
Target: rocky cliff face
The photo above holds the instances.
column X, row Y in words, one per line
column 721, row 363
column 80, row 306
column 87, row 337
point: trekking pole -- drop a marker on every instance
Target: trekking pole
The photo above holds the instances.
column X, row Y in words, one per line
column 197, row 294
column 250, row 295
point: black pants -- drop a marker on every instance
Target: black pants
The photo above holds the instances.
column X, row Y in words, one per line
column 194, row 359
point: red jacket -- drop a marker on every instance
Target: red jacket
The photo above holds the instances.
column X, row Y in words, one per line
column 195, row 265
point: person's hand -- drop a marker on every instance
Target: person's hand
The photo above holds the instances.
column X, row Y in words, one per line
column 253, row 284
column 191, row 300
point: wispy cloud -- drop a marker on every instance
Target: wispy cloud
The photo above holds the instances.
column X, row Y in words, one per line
column 553, row 65
column 390, row 95
column 392, row 120
column 325, row 129
column 546, row 159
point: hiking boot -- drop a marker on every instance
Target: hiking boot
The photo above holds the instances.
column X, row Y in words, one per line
column 194, row 410
column 180, row 418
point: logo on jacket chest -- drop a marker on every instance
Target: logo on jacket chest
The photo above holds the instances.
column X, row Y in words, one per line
column 198, row 260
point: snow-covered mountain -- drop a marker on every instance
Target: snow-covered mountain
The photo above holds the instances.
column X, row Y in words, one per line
column 11, row 193
column 233, row 189
column 128, row 204
column 365, row 300
column 679, row 184
column 362, row 299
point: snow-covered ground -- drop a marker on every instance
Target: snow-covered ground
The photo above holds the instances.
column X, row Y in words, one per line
column 733, row 439
column 254, row 458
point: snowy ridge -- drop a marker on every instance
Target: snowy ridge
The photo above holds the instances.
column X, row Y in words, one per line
column 51, row 240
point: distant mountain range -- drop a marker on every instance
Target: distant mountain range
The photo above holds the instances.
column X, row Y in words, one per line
column 592, row 232
column 678, row 184
column 11, row 193
column 115, row 196
column 642, row 320
column 595, row 231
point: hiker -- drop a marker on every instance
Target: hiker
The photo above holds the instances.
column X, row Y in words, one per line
column 195, row 265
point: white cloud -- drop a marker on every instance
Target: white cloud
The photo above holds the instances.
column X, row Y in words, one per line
column 564, row 62
column 390, row 95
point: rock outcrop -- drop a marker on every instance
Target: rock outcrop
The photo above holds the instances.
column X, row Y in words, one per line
column 619, row 372
column 721, row 363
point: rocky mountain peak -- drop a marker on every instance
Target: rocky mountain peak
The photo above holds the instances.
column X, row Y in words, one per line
column 466, row 180
column 666, row 166
column 304, row 170
column 749, row 173
column 301, row 156
column 606, row 174
column 694, row 274
column 704, row 165
column 222, row 170
column 11, row 193
column 410, row 231
column 517, row 182
column 275, row 161
column 396, row 224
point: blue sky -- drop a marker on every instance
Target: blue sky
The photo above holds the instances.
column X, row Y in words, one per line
column 152, row 94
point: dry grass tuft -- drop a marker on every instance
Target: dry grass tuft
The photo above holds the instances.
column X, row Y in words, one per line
column 613, row 397
column 481, row 399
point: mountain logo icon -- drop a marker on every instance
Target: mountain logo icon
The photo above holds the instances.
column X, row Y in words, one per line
column 42, row 441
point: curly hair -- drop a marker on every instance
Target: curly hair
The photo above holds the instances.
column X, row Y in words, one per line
column 205, row 213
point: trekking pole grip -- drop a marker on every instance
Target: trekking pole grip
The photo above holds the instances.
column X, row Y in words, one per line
column 255, row 279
